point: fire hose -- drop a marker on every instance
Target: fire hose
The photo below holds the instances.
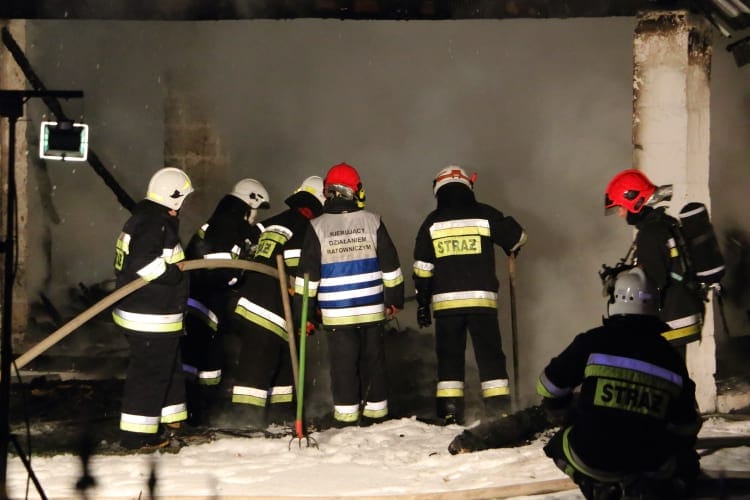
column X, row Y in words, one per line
column 117, row 295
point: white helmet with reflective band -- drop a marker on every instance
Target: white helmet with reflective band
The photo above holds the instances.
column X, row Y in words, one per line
column 169, row 187
column 314, row 186
column 452, row 173
column 251, row 192
column 633, row 294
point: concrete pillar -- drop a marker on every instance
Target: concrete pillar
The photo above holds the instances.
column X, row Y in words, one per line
column 11, row 78
column 671, row 136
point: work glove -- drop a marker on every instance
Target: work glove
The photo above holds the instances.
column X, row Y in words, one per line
column 391, row 311
column 424, row 318
column 310, row 328
column 559, row 411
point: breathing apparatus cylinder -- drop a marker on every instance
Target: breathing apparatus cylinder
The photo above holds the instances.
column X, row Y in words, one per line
column 703, row 247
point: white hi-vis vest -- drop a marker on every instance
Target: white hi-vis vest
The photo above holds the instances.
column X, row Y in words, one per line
column 352, row 278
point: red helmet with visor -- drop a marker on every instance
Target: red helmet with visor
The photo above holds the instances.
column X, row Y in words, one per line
column 630, row 189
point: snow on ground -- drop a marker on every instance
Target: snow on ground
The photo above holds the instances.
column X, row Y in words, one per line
column 397, row 457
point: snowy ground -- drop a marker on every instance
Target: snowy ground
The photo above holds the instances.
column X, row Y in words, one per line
column 401, row 457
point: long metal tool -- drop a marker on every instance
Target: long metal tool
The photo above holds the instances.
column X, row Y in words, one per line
column 299, row 428
column 284, row 284
column 514, row 327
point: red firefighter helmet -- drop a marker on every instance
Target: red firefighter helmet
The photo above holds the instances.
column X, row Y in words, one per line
column 342, row 179
column 630, row 189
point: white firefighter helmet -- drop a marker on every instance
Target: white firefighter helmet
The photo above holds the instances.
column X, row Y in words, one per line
column 251, row 192
column 452, row 173
column 633, row 294
column 314, row 186
column 169, row 187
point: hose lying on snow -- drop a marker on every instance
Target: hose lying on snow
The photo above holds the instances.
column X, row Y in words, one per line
column 114, row 297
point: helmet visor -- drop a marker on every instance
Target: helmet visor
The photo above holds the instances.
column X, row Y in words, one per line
column 610, row 207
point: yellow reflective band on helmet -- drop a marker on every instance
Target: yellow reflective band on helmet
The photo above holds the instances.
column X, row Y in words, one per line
column 155, row 323
column 685, row 335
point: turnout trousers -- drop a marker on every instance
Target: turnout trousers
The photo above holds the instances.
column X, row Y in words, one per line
column 154, row 388
column 450, row 347
column 202, row 351
column 262, row 373
column 358, row 372
column 673, row 479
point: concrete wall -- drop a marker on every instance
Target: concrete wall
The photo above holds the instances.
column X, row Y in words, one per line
column 542, row 110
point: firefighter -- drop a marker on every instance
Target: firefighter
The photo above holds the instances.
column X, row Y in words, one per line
column 230, row 233
column 262, row 375
column 355, row 281
column 631, row 431
column 151, row 318
column 633, row 196
column 454, row 271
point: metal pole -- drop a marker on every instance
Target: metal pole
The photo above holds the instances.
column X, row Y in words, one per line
column 514, row 326
column 6, row 347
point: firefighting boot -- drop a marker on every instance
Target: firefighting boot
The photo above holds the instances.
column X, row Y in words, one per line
column 282, row 414
column 138, row 442
column 497, row 406
column 450, row 410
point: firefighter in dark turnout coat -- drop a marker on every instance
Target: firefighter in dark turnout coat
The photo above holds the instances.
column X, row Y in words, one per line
column 230, row 233
column 454, row 271
column 262, row 374
column 152, row 317
column 355, row 281
column 632, row 429
column 631, row 194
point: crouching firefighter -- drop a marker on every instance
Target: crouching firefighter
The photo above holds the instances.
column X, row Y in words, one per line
column 632, row 429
